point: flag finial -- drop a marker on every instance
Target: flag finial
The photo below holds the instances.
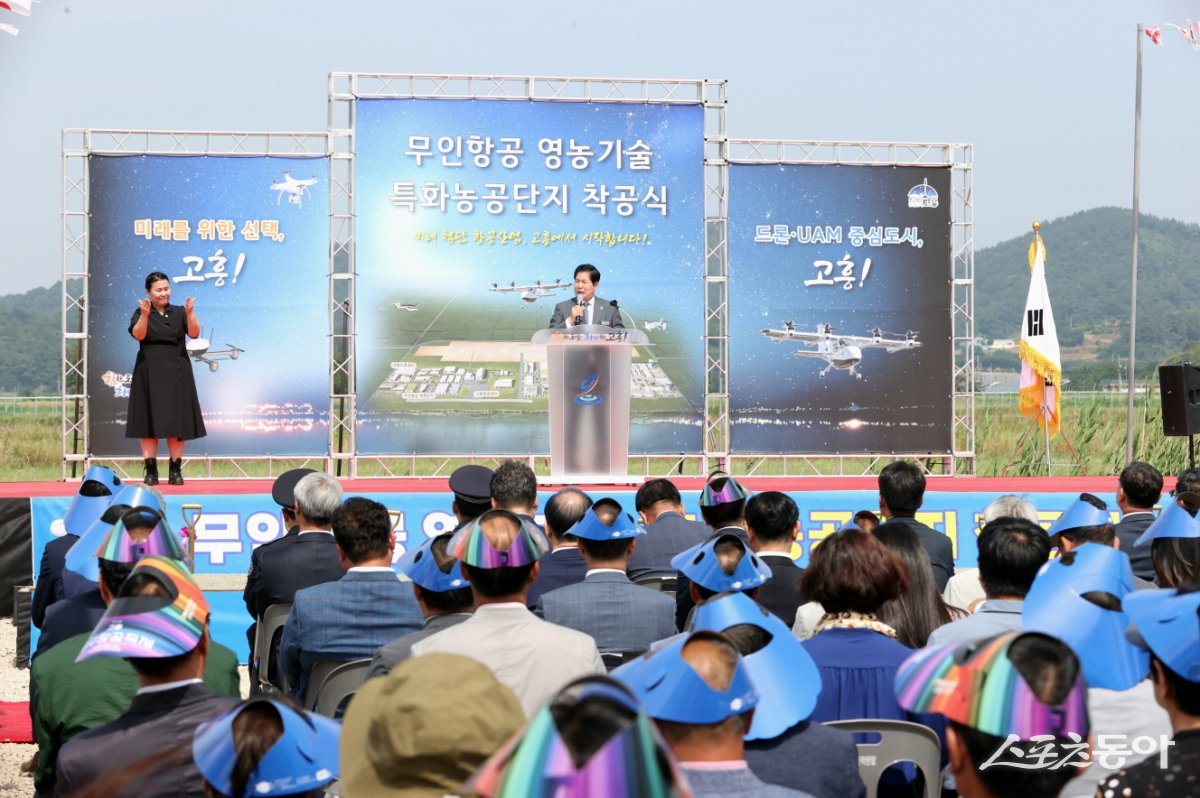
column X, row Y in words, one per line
column 1037, row 226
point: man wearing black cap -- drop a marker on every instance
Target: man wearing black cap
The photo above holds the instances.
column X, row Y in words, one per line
column 298, row 560
column 472, row 489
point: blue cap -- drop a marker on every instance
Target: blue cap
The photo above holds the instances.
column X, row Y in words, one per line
column 81, row 558
column 781, row 669
column 1055, row 606
column 1080, row 513
column 670, row 689
column 591, row 527
column 700, row 564
column 1168, row 624
column 304, row 758
column 1173, row 522
column 421, row 566
column 94, row 495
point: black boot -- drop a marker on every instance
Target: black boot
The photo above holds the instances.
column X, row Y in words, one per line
column 150, row 475
column 175, row 476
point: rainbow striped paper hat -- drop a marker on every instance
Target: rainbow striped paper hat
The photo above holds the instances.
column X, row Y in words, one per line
column 471, row 546
column 120, row 546
column 629, row 759
column 150, row 627
column 722, row 490
column 976, row 685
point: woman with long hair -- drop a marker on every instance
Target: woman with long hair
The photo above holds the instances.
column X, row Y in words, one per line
column 916, row 612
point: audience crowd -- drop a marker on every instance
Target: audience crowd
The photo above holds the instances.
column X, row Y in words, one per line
column 593, row 650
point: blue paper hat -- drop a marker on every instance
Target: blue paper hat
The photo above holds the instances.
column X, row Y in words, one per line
column 1080, row 513
column 1173, row 522
column 1055, row 606
column 1167, row 623
column 781, row 669
column 304, row 758
column 671, row 690
column 700, row 564
column 592, row 528
column 95, row 494
column 421, row 566
column 81, row 558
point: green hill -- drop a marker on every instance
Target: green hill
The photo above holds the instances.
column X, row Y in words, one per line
column 1087, row 270
column 31, row 341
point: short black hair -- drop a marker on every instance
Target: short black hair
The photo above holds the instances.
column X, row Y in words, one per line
column 902, row 486
column 1187, row 481
column 363, row 529
column 514, row 485
column 1050, row 669
column 1142, row 484
column 592, row 272
column 154, row 277
column 498, row 582
column 654, row 491
column 1103, row 534
column 606, row 550
column 471, row 510
column 445, row 601
column 113, row 574
column 773, row 516
column 1011, row 552
column 564, row 510
column 722, row 515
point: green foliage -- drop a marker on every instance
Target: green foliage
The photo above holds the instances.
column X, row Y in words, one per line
column 30, row 341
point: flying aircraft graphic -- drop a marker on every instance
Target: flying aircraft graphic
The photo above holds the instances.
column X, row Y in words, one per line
column 840, row 351
column 531, row 293
column 411, row 307
column 295, row 189
column 198, row 350
column 661, row 324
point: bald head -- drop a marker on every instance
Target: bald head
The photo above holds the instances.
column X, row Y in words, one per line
column 713, row 658
column 501, row 528
column 563, row 510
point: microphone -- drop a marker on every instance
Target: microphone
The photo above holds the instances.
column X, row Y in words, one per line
column 582, row 319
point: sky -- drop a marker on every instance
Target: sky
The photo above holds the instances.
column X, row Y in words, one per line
column 1043, row 90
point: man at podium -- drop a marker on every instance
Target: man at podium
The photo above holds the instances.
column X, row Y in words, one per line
column 586, row 307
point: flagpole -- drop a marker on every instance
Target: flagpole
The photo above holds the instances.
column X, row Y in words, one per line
column 1137, row 149
column 1046, row 411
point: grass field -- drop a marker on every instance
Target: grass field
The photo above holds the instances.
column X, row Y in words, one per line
column 1094, row 425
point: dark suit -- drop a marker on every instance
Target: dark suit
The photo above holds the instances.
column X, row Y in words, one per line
column 559, row 568
column 1129, row 529
column 670, row 534
column 49, row 582
column 603, row 313
column 619, row 615
column 937, row 545
column 345, row 620
column 157, row 727
column 69, row 617
column 781, row 593
column 787, row 760
column 400, row 649
column 683, row 594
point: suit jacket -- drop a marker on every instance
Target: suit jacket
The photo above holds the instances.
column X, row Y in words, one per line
column 670, row 534
column 781, row 593
column 157, row 727
column 707, row 782
column 400, row 649
column 787, row 760
column 49, row 582
column 345, row 620
column 683, row 594
column 619, row 615
column 1129, row 529
column 69, row 617
column 531, row 657
column 603, row 313
column 559, row 568
column 938, row 546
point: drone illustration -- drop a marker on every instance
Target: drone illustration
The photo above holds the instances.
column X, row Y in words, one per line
column 411, row 307
column 661, row 324
column 840, row 351
column 531, row 293
column 198, row 350
column 295, row 189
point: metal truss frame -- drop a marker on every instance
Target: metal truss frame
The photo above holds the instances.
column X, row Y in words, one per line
column 345, row 88
column 960, row 159
column 79, row 145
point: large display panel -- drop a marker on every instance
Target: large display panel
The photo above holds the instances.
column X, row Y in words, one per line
column 248, row 237
column 840, row 308
column 471, row 215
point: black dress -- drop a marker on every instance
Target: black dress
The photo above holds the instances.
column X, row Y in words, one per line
column 162, row 393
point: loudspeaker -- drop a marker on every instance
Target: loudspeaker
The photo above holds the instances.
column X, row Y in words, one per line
column 1180, row 388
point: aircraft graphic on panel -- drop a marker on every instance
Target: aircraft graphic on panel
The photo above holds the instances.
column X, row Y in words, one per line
column 531, row 293
column 198, row 350
column 411, row 307
column 661, row 324
column 840, row 351
column 295, row 189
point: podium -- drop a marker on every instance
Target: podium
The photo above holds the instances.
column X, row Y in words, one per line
column 589, row 391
